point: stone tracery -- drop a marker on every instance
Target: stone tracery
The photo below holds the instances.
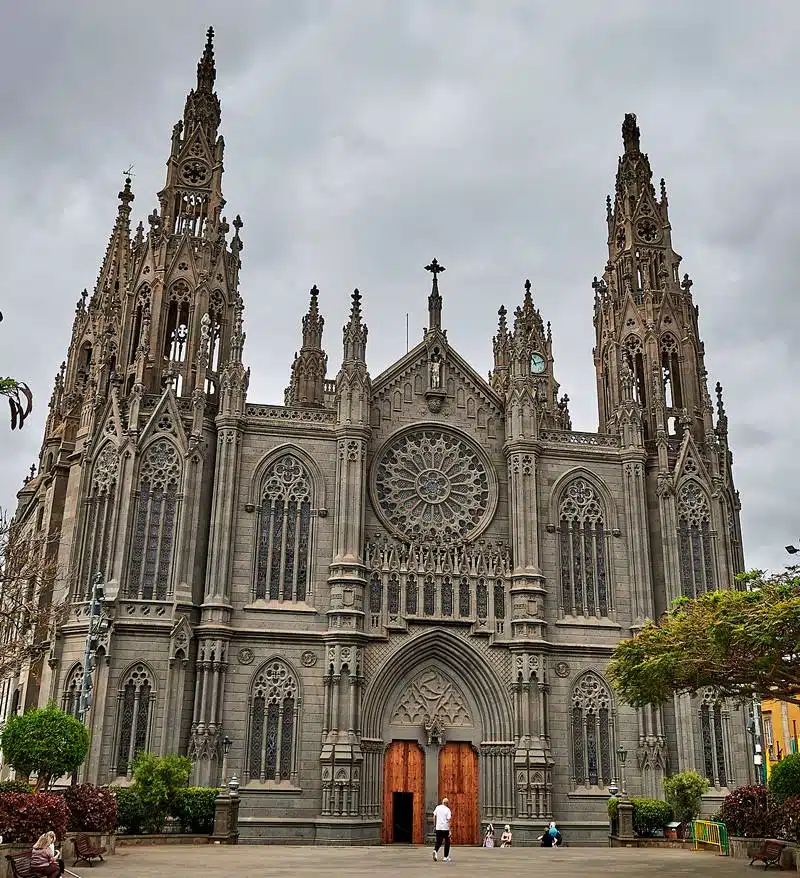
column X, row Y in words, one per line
column 432, row 484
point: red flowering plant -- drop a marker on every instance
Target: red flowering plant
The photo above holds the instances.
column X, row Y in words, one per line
column 25, row 816
column 91, row 808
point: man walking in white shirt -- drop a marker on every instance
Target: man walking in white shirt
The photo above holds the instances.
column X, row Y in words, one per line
column 442, row 815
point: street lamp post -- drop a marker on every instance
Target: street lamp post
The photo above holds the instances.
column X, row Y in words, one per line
column 226, row 748
column 622, row 755
column 98, row 623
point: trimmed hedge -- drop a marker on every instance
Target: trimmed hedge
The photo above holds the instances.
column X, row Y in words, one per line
column 650, row 816
column 130, row 811
column 91, row 808
column 25, row 816
column 194, row 809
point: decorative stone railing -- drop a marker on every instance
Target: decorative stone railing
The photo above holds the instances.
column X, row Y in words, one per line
column 284, row 414
column 572, row 437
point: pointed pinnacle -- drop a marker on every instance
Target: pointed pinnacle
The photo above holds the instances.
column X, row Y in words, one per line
column 206, row 71
column 630, row 133
column 313, row 305
column 355, row 309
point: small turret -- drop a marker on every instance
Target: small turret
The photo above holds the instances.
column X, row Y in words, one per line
column 307, row 386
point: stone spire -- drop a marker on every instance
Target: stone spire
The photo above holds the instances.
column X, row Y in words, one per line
column 202, row 104
column 308, row 369
column 435, row 300
column 355, row 333
column 642, row 312
column 501, row 344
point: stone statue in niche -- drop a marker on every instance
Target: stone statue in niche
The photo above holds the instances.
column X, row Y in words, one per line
column 435, row 369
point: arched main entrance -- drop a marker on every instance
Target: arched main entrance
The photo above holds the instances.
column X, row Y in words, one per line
column 434, row 716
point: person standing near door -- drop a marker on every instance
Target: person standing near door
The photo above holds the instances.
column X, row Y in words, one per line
column 442, row 815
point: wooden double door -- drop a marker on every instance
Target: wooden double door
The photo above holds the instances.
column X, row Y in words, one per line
column 404, row 816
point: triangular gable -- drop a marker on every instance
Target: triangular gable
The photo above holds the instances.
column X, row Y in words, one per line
column 465, row 388
column 184, row 255
column 689, row 462
column 166, row 420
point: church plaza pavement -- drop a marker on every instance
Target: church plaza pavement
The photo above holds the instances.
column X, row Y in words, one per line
column 275, row 861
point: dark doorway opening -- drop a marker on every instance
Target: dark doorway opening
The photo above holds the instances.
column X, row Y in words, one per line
column 403, row 818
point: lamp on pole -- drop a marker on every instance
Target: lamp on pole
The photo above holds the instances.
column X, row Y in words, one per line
column 226, row 748
column 98, row 625
column 622, row 755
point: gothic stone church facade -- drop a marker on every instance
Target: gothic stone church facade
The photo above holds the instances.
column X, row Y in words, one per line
column 390, row 587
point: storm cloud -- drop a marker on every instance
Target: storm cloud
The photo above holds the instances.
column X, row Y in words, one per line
column 363, row 139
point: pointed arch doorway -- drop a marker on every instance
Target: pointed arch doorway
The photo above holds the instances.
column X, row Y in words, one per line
column 403, row 793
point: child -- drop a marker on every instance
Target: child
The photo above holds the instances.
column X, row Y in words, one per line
column 488, row 839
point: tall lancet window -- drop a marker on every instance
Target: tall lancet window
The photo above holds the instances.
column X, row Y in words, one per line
column 283, row 564
column 592, row 732
column 671, row 373
column 135, row 700
column 694, row 540
column 582, row 544
column 71, row 697
column 99, row 518
column 712, row 735
column 154, row 527
column 141, row 322
column 274, row 721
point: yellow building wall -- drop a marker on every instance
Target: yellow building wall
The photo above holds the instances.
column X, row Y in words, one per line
column 780, row 730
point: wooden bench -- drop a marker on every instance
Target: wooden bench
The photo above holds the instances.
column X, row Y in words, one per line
column 768, row 853
column 20, row 865
column 85, row 851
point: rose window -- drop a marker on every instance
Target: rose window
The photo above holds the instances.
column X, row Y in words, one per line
column 432, row 484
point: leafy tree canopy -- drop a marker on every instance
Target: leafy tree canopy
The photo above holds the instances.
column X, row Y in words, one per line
column 741, row 642
column 46, row 741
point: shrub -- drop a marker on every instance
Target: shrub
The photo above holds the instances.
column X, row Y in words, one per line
column 612, row 806
column 157, row 780
column 786, row 824
column 194, row 807
column 47, row 741
column 650, row 816
column 15, row 786
column 130, row 812
column 91, row 808
column 784, row 779
column 25, row 816
column 684, row 791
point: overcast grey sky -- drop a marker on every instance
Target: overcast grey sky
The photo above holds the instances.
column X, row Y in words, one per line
column 364, row 138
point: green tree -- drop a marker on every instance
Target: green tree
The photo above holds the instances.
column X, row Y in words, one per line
column 684, row 792
column 45, row 741
column 741, row 642
column 784, row 778
column 158, row 782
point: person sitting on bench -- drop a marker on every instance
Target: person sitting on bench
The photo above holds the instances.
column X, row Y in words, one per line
column 45, row 860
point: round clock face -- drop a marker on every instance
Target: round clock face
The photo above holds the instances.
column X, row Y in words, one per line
column 537, row 363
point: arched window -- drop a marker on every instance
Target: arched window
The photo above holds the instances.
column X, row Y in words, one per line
column 176, row 331
column 99, row 516
column 592, row 733
column 136, row 697
column 694, row 541
column 582, row 545
column 140, row 331
column 712, row 734
column 274, row 722
column 71, row 697
column 154, row 527
column 284, row 545
column 671, row 373
column 632, row 351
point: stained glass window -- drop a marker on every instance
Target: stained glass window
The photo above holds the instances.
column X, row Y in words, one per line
column 153, row 539
column 283, row 563
column 582, row 550
column 695, row 544
column 447, row 596
column 499, row 599
column 71, row 699
column 592, row 734
column 133, row 716
column 712, row 737
column 99, row 508
column 464, row 598
column 274, row 719
column 411, row 595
